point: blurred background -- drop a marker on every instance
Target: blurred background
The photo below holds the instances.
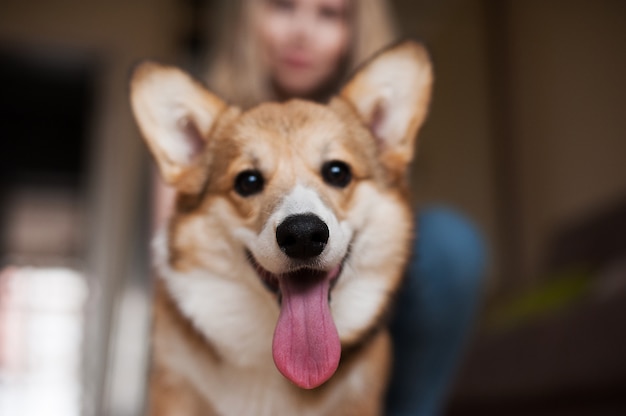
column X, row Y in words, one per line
column 527, row 136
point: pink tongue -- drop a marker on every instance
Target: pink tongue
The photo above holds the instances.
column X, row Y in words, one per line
column 306, row 345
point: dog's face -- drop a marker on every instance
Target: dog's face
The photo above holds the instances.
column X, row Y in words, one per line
column 291, row 223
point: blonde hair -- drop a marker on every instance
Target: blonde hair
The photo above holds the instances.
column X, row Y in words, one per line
column 236, row 72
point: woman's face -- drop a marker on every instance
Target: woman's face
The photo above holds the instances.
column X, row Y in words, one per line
column 303, row 42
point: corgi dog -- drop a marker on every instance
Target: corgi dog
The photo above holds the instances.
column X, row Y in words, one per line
column 288, row 240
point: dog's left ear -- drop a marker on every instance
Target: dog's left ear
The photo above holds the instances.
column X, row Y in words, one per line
column 391, row 94
column 175, row 114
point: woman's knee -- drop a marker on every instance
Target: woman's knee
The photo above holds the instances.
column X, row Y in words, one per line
column 447, row 271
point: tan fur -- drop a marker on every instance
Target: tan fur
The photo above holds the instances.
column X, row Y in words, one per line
column 213, row 317
column 169, row 393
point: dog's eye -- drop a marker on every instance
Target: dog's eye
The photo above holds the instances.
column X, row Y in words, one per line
column 249, row 182
column 336, row 173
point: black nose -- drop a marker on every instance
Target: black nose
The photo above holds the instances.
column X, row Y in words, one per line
column 302, row 236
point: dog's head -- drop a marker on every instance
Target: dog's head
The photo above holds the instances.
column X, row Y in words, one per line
column 297, row 209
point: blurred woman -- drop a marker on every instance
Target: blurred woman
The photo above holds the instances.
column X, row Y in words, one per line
column 279, row 49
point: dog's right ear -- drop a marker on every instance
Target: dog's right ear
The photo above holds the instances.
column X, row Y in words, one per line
column 175, row 114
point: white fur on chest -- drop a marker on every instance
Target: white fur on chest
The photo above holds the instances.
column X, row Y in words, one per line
column 238, row 322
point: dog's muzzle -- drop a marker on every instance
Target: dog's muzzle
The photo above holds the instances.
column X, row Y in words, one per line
column 306, row 346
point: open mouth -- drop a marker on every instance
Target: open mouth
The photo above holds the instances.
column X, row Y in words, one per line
column 304, row 275
column 306, row 346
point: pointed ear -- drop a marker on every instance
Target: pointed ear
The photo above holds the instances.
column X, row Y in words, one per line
column 391, row 94
column 175, row 114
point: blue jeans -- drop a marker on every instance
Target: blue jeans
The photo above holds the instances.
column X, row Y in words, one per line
column 435, row 311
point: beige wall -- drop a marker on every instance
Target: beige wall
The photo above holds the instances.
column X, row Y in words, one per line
column 569, row 108
column 567, row 103
column 455, row 160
